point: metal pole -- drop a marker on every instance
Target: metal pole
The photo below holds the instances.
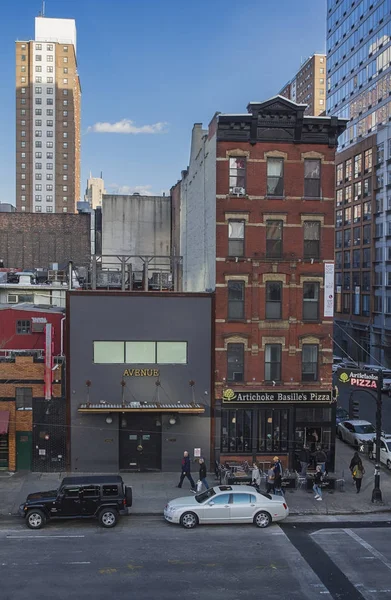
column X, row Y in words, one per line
column 123, row 274
column 376, row 492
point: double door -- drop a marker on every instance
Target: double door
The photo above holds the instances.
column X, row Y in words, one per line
column 140, row 443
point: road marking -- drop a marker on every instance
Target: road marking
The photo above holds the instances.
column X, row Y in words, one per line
column 368, row 547
column 77, row 563
column 37, row 537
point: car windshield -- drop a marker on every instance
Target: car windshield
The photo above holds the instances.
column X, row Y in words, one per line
column 364, row 429
column 389, row 446
column 205, row 495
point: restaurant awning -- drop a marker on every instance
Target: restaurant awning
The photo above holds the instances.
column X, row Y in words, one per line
column 4, row 420
column 142, row 407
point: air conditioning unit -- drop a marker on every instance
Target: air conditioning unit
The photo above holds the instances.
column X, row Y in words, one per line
column 239, row 191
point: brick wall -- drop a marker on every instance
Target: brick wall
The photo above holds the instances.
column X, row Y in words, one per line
column 31, row 240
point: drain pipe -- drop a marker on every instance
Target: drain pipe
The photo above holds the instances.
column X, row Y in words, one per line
column 62, row 336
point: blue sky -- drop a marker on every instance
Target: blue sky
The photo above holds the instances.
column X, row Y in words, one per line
column 161, row 65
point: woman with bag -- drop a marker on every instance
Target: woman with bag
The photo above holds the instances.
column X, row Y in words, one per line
column 358, row 472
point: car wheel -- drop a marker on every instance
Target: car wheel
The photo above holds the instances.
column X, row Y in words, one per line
column 35, row 519
column 262, row 519
column 189, row 520
column 389, row 465
column 108, row 518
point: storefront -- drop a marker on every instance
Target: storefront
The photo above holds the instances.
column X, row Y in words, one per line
column 257, row 425
column 139, row 380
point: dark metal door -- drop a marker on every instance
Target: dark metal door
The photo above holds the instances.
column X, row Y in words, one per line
column 140, row 443
column 23, row 450
column 70, row 503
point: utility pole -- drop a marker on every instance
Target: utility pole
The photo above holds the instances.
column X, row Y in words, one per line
column 376, row 492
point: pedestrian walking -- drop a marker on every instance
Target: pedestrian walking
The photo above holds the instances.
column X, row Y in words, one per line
column 277, row 477
column 304, row 458
column 186, row 471
column 355, row 460
column 320, row 458
column 202, row 475
column 256, row 476
column 358, row 473
column 270, row 480
column 318, row 478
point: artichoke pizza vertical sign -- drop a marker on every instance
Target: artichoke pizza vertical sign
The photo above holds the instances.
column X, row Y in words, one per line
column 328, row 290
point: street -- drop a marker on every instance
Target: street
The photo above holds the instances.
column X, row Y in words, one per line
column 150, row 558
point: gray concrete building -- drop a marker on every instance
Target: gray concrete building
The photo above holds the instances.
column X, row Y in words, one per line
column 139, row 379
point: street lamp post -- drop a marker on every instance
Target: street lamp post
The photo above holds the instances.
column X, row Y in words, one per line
column 376, row 492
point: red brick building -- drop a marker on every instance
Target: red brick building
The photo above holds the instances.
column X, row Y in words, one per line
column 22, row 327
column 271, row 172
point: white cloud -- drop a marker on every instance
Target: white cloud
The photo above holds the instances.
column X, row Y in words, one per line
column 143, row 190
column 127, row 126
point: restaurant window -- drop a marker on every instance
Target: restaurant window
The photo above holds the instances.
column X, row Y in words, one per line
column 23, row 327
column 274, row 239
column 309, row 362
column 312, row 178
column 235, row 362
column 357, row 165
column 273, row 299
column 236, row 430
column 275, row 176
column 237, row 176
column 310, row 301
column 235, row 299
column 236, row 238
column 273, row 430
column 367, row 160
column 311, row 239
column 24, row 398
column 313, row 415
column 273, row 354
column 340, row 174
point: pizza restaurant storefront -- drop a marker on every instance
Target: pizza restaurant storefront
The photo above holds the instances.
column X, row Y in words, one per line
column 258, row 425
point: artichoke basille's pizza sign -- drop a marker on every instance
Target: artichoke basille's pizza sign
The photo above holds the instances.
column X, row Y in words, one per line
column 235, row 396
column 357, row 378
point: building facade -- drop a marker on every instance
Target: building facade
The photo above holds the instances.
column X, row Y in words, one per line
column 22, row 327
column 48, row 98
column 355, row 212
column 272, row 213
column 308, row 86
column 94, row 191
column 139, row 379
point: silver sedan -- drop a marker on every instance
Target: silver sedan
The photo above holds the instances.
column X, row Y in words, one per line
column 227, row 504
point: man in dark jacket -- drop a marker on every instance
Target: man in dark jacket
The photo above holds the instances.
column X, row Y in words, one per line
column 320, row 458
column 304, row 458
column 202, row 474
column 186, row 471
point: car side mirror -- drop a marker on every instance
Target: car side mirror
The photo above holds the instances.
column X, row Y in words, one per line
column 211, row 503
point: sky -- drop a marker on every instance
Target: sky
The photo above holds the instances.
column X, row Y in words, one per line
column 150, row 69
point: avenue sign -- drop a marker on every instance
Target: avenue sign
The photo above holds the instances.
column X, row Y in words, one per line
column 357, row 378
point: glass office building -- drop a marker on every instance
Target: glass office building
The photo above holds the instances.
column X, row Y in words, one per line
column 359, row 89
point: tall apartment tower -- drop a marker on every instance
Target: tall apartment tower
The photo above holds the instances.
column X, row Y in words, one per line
column 94, row 191
column 48, row 98
column 358, row 88
column 308, row 86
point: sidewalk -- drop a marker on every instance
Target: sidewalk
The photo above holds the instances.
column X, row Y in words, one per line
column 151, row 491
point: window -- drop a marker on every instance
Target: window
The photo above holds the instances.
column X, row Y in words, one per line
column 274, row 239
column 38, row 58
column 49, row 134
column 357, row 191
column 65, row 59
column 49, row 69
column 65, row 124
column 366, row 258
column 49, row 198
column 235, row 299
column 23, row 101
column 38, row 122
column 38, row 166
column 312, row 178
column 49, row 155
column 23, row 198
column 23, row 111
column 380, row 154
column 340, row 174
column 23, row 68
column 347, row 238
column 275, row 176
column 339, row 197
column 236, row 435
column 49, row 176
column 348, row 216
column 65, row 48
column 64, row 113
column 357, row 165
column 348, row 194
column 238, row 498
column 38, row 209
column 49, row 166
column 235, row 362
column 49, row 187
column 72, row 492
column 65, row 80
column 49, row 144
column 49, row 112
column 108, row 352
column 65, row 102
column 109, row 490
column 49, row 80
column 49, row 47
column 23, row 79
column 273, row 362
column 38, row 111
column 235, row 236
column 65, row 134
column 273, row 299
column 23, row 133
column 23, row 165
column 49, row 58
column 38, row 69
column 310, row 301
column 38, row 198
column 38, row 133
column 365, row 305
column 49, row 209
column 173, row 353
column 38, row 100
column 65, row 70
column 64, row 188
column 140, row 352
column 65, row 145
column 38, row 90
column 366, row 211
column 24, row 398
column 311, row 239
column 23, row 327
column 237, row 175
column 367, row 160
column 38, row 187
column 38, row 176
column 348, row 170
column 38, row 46
column 49, row 101
column 309, row 362
column 65, row 167
column 357, row 213
column 273, row 430
column 356, row 259
column 64, row 209
column 49, row 90
column 346, row 259
column 65, row 198
column 356, row 236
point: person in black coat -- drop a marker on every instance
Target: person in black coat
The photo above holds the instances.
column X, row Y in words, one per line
column 202, row 474
column 305, row 459
column 186, row 471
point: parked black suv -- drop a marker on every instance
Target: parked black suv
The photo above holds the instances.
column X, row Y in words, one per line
column 102, row 497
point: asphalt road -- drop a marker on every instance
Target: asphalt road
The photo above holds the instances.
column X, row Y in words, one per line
column 147, row 558
column 367, row 406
